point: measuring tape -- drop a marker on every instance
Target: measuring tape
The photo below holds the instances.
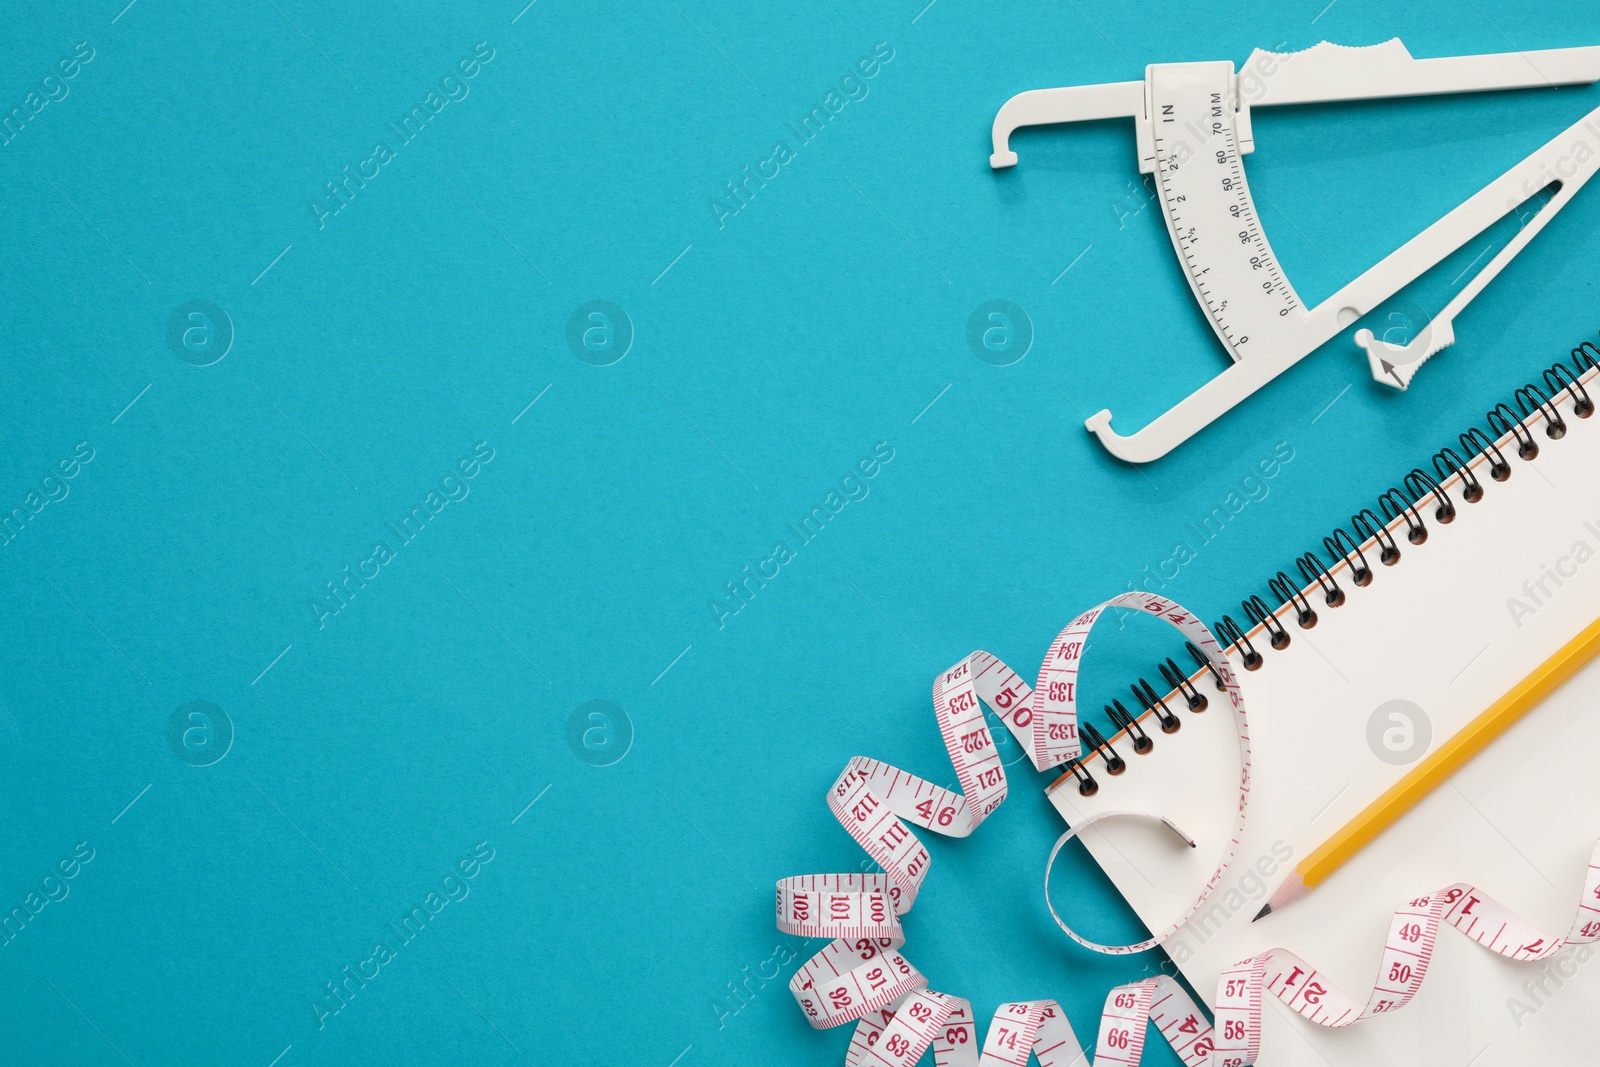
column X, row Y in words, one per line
column 1407, row 951
column 861, row 976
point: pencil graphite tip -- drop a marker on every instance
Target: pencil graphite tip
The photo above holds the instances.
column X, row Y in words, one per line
column 1292, row 889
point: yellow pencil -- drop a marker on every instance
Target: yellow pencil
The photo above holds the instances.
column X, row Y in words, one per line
column 1432, row 771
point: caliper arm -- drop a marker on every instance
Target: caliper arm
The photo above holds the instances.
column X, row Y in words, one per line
column 1074, row 103
column 1570, row 159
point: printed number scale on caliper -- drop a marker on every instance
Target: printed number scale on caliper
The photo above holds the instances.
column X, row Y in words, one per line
column 1192, row 122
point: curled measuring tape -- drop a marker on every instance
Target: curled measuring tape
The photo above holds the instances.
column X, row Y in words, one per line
column 862, row 971
column 1236, row 1038
column 862, row 976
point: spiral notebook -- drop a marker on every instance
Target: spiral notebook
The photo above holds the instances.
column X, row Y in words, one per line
column 1346, row 706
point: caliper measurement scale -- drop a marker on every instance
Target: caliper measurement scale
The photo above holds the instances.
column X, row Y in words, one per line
column 1193, row 128
column 1214, row 225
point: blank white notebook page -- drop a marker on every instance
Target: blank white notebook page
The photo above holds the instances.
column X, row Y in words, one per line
column 1447, row 629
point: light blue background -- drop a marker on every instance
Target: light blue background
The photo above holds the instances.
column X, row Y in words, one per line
column 778, row 349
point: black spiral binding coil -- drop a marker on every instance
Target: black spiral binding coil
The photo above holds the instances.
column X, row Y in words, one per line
column 1127, row 724
column 1178, row 682
column 1537, row 413
column 1145, row 694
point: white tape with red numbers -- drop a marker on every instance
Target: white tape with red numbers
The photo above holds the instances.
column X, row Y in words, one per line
column 863, row 977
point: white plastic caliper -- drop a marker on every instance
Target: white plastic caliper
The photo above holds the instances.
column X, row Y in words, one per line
column 1193, row 128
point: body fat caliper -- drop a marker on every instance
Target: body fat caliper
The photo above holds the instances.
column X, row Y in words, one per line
column 1192, row 123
